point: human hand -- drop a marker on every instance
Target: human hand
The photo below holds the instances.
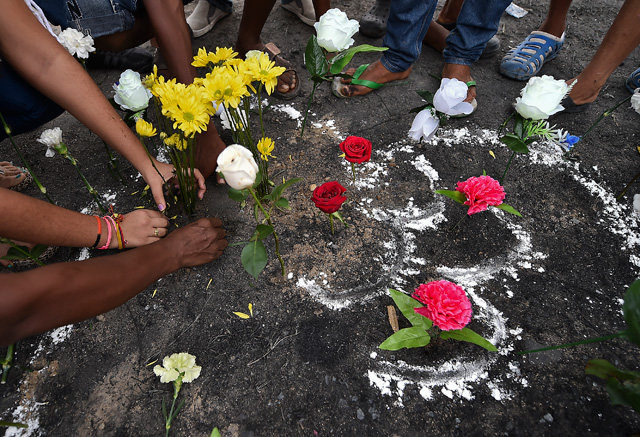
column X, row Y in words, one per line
column 156, row 183
column 141, row 227
column 199, row 242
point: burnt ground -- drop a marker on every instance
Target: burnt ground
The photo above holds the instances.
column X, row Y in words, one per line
column 307, row 361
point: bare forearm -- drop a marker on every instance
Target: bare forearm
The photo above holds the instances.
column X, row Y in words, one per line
column 59, row 294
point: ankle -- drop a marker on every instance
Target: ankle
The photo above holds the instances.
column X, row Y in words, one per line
column 553, row 28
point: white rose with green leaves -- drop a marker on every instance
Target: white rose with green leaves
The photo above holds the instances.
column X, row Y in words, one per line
column 130, row 93
column 237, row 165
column 335, row 30
column 450, row 97
column 541, row 97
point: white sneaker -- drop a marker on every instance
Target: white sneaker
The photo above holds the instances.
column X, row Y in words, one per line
column 303, row 9
column 204, row 17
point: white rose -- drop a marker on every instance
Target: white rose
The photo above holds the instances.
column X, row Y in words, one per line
column 541, row 97
column 424, row 125
column 449, row 98
column 76, row 42
column 51, row 138
column 635, row 100
column 237, row 165
column 130, row 93
column 335, row 30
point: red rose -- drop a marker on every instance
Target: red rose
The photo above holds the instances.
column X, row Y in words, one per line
column 356, row 149
column 329, row 197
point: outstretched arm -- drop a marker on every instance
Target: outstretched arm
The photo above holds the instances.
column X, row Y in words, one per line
column 47, row 66
column 59, row 294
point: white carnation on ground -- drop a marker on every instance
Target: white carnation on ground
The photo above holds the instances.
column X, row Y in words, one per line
column 76, row 43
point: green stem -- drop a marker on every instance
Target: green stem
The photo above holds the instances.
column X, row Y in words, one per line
column 275, row 235
column 331, row 221
column 353, row 171
column 92, row 190
column 169, row 419
column 507, row 169
column 43, row 190
column 166, row 184
column 113, row 166
column 306, row 113
column 590, row 340
column 7, row 363
column 606, row 113
column 619, row 196
column 21, row 250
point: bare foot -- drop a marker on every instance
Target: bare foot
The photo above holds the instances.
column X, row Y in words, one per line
column 463, row 74
column 10, row 176
column 375, row 72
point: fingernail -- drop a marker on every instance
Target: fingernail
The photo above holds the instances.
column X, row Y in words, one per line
column 10, row 265
column 161, row 207
column 18, row 175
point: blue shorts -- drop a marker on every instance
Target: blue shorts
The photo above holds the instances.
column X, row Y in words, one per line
column 92, row 17
column 23, row 107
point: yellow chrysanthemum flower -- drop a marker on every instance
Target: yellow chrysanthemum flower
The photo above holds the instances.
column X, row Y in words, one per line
column 189, row 108
column 221, row 56
column 145, row 129
column 176, row 141
column 151, row 78
column 225, row 88
column 265, row 147
column 264, row 70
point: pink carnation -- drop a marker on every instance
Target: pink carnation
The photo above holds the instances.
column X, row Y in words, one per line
column 447, row 304
column 481, row 192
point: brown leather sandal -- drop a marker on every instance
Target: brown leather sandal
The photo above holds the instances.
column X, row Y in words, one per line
column 274, row 54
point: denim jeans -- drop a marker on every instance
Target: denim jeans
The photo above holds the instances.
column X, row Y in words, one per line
column 93, row 17
column 406, row 27
column 477, row 23
column 409, row 20
column 223, row 5
column 22, row 107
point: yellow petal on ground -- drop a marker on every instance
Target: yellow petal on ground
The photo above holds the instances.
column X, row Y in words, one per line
column 343, row 155
column 173, row 218
column 251, row 309
column 154, row 293
column 242, row 315
column 134, row 193
column 138, row 207
column 290, row 158
column 638, row 147
column 491, row 153
column 283, row 179
column 152, row 363
column 210, row 280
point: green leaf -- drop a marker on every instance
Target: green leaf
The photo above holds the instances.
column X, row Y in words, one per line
column 605, row 370
column 514, row 143
column 427, row 96
column 406, row 305
column 341, row 60
column 466, row 334
column 624, row 393
column 453, row 194
column 508, row 208
column 177, row 410
column 38, row 250
column 519, row 124
column 164, row 409
column 15, row 424
column 254, row 258
column 419, row 108
column 631, row 311
column 315, row 58
column 263, row 231
column 406, row 338
column 277, row 191
column 215, row 433
column 338, row 216
column 237, row 195
column 282, row 203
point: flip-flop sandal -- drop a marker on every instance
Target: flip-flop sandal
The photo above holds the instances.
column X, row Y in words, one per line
column 633, row 81
column 337, row 84
column 474, row 102
column 48, row 253
column 23, row 183
column 527, row 59
column 374, row 22
column 274, row 54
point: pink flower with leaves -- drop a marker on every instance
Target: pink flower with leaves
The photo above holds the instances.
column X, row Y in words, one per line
column 447, row 304
column 481, row 192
